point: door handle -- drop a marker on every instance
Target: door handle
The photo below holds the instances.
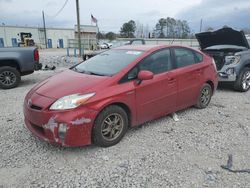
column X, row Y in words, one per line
column 198, row 71
column 171, row 80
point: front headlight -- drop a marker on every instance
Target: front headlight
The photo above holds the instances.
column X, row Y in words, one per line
column 71, row 101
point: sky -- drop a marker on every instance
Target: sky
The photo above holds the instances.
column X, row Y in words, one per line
column 111, row 14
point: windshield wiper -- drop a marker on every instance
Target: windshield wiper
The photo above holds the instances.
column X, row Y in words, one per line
column 88, row 72
column 94, row 73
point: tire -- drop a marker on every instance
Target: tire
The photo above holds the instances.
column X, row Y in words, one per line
column 110, row 126
column 204, row 96
column 9, row 77
column 38, row 66
column 242, row 83
column 86, row 57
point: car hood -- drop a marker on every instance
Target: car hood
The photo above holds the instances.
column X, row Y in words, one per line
column 68, row 83
column 224, row 36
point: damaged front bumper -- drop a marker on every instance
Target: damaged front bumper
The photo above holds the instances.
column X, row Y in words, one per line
column 224, row 77
column 66, row 128
column 227, row 74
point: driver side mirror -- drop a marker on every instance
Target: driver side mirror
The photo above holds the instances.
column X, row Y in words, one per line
column 145, row 75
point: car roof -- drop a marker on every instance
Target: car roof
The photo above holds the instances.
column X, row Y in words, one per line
column 141, row 47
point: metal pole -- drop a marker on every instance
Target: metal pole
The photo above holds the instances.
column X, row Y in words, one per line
column 201, row 25
column 78, row 27
column 5, row 38
column 44, row 29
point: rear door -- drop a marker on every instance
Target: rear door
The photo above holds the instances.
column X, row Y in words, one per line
column 189, row 70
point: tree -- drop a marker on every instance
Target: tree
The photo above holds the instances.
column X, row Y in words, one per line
column 172, row 28
column 160, row 26
column 209, row 28
column 128, row 29
column 100, row 35
column 110, row 36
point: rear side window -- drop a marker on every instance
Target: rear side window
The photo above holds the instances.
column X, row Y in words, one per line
column 198, row 57
column 157, row 63
column 184, row 57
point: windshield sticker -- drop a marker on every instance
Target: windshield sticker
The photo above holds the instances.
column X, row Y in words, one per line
column 133, row 52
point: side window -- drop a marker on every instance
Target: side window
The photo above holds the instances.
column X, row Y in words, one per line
column 157, row 63
column 198, row 57
column 184, row 57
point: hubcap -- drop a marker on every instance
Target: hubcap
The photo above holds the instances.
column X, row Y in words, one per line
column 205, row 96
column 7, row 78
column 112, row 126
column 246, row 80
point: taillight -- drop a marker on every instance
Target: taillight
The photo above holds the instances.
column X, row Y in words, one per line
column 36, row 55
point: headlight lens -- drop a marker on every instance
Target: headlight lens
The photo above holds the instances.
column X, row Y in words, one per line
column 71, row 101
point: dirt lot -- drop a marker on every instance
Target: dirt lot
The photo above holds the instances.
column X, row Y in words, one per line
column 161, row 153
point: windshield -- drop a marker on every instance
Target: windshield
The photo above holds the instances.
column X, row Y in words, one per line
column 108, row 63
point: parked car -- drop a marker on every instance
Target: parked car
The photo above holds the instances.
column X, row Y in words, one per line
column 109, row 45
column 136, row 42
column 230, row 50
column 17, row 62
column 131, row 42
column 97, row 100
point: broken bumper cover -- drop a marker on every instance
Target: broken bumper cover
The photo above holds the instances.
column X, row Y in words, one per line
column 45, row 125
column 224, row 77
column 227, row 74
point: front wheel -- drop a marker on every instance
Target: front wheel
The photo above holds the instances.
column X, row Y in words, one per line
column 9, row 77
column 204, row 96
column 243, row 81
column 110, row 126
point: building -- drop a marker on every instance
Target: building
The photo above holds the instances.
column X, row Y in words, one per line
column 56, row 37
column 88, row 37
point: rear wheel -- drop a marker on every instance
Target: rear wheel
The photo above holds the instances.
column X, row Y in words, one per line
column 9, row 77
column 204, row 96
column 110, row 126
column 243, row 81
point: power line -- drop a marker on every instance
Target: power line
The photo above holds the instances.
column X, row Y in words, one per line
column 61, row 9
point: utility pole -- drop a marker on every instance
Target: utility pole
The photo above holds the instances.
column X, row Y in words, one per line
column 78, row 27
column 5, row 38
column 201, row 25
column 44, row 29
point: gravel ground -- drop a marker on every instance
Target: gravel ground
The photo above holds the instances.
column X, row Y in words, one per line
column 161, row 153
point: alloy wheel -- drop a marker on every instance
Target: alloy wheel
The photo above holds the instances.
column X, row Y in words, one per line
column 7, row 78
column 246, row 80
column 112, row 126
column 205, row 96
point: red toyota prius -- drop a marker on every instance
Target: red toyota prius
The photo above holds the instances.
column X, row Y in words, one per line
column 97, row 100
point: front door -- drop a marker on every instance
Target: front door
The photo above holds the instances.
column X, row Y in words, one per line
column 61, row 43
column 49, row 43
column 14, row 42
column 1, row 43
column 157, row 96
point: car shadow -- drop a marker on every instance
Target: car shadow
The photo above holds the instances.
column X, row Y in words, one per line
column 225, row 87
column 28, row 82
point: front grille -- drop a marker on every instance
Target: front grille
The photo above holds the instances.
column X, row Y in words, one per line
column 36, row 107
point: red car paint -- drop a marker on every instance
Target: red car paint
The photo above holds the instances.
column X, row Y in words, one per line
column 165, row 93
